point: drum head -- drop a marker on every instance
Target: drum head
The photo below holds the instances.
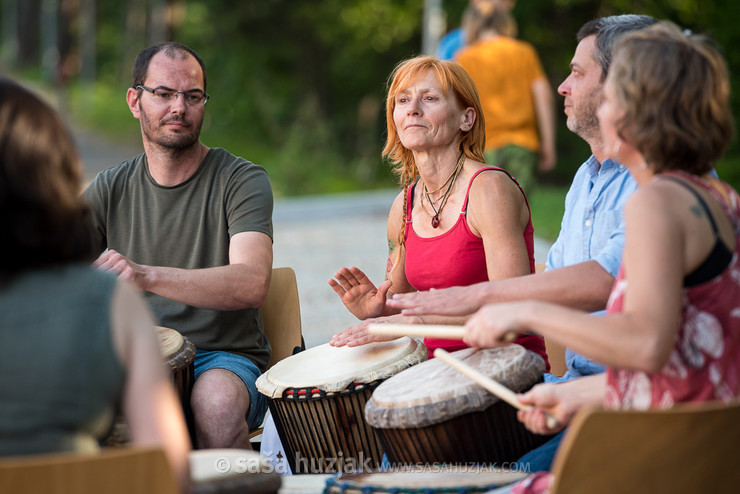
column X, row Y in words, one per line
column 432, row 479
column 433, row 391
column 230, row 471
column 212, row 464
column 170, row 341
column 332, row 369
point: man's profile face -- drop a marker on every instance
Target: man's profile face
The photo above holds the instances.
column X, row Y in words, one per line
column 583, row 91
column 173, row 124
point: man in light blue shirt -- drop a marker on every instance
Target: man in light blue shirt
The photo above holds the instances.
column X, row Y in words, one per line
column 592, row 229
column 583, row 262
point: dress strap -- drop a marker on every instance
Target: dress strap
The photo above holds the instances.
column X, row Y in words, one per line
column 719, row 257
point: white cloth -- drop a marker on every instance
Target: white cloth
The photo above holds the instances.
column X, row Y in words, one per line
column 272, row 449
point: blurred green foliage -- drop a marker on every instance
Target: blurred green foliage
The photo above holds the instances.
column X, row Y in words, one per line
column 298, row 85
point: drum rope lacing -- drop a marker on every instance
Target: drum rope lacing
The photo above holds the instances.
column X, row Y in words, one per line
column 313, row 393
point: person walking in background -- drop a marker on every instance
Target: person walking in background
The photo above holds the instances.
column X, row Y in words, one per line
column 455, row 40
column 77, row 342
column 516, row 96
column 191, row 226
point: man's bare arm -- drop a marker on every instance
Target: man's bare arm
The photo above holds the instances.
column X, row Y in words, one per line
column 241, row 284
column 584, row 286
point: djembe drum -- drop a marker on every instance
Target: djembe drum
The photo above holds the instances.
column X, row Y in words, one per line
column 429, row 480
column 179, row 355
column 231, row 471
column 433, row 414
column 317, row 398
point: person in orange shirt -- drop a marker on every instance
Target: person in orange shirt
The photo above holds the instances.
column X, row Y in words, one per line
column 516, row 96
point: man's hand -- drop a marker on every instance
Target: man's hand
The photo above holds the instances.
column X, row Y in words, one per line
column 497, row 324
column 455, row 301
column 118, row 264
column 550, row 398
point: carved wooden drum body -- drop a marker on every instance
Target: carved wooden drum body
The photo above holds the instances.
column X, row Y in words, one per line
column 432, row 414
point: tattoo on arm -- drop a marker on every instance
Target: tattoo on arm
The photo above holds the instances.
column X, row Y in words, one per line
column 389, row 263
column 697, row 210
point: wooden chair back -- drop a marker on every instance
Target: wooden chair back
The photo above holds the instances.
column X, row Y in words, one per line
column 281, row 315
column 688, row 448
column 114, row 471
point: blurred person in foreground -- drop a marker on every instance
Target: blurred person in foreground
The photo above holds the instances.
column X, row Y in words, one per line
column 77, row 341
column 191, row 226
column 671, row 334
column 457, row 221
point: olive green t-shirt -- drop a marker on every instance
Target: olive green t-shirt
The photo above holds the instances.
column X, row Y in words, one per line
column 188, row 226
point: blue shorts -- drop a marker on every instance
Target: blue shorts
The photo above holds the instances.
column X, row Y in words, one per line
column 247, row 371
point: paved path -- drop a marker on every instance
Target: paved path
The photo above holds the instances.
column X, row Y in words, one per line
column 313, row 235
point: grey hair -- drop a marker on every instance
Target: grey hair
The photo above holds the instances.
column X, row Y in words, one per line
column 607, row 31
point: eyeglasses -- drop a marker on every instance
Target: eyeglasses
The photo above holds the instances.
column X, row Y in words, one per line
column 163, row 94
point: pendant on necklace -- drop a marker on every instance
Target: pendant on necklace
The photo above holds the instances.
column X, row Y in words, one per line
column 435, row 221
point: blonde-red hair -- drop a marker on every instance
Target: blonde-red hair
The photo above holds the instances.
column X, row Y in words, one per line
column 451, row 77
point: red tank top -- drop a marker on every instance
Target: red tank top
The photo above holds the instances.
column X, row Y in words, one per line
column 457, row 258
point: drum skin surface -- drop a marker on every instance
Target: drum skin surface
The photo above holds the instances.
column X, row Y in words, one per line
column 231, row 471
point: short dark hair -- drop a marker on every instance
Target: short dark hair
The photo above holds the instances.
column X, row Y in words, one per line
column 170, row 48
column 607, row 31
column 45, row 219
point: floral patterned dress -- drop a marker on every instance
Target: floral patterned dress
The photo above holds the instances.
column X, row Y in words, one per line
column 705, row 362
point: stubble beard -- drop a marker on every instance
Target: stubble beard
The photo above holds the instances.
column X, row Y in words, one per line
column 170, row 141
column 584, row 122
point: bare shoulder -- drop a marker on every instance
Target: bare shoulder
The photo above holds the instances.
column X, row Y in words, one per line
column 398, row 201
column 395, row 215
column 494, row 185
column 658, row 196
column 656, row 206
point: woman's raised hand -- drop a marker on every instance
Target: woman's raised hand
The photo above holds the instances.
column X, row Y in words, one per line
column 358, row 293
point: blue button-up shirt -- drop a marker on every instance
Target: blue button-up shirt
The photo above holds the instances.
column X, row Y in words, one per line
column 592, row 230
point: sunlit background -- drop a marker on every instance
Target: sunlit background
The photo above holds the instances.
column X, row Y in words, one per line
column 298, row 85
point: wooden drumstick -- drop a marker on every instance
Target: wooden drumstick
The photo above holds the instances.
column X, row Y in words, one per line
column 449, row 332
column 494, row 387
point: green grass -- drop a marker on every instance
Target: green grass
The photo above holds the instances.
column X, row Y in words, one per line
column 547, row 203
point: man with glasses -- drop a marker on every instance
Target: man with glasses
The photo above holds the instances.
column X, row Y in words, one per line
column 191, row 226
